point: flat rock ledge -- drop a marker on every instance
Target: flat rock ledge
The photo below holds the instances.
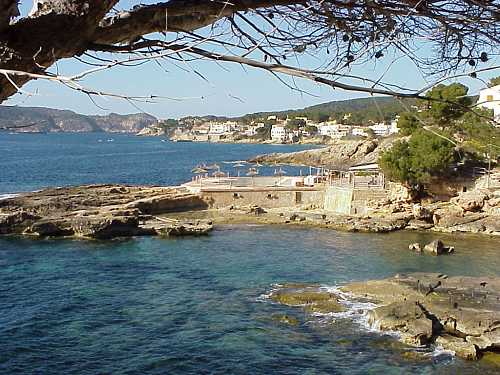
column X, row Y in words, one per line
column 101, row 212
column 461, row 314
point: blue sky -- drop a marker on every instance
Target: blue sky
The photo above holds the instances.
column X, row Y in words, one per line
column 231, row 90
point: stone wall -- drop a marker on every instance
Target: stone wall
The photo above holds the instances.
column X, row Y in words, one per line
column 338, row 199
column 348, row 201
column 266, row 198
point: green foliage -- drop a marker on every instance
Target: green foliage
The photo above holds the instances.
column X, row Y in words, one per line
column 415, row 162
column 479, row 134
column 295, row 124
column 319, row 116
column 171, row 122
column 311, row 129
column 363, row 111
column 270, row 122
column 430, row 155
column 452, row 102
column 408, row 123
column 396, row 162
column 494, row 82
column 264, row 132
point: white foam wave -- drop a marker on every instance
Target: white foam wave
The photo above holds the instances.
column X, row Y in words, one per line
column 264, row 297
column 440, row 354
column 7, row 196
column 356, row 310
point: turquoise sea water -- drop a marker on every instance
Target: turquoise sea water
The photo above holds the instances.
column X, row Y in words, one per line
column 195, row 305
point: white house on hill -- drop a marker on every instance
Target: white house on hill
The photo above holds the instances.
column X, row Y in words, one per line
column 278, row 133
column 490, row 98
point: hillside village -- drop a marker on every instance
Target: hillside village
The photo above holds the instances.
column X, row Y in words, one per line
column 280, row 130
column 290, row 127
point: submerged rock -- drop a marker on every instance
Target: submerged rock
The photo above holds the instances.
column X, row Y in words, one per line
column 286, row 319
column 312, row 299
column 437, row 247
column 415, row 247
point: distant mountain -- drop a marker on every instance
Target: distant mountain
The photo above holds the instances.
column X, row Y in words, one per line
column 37, row 119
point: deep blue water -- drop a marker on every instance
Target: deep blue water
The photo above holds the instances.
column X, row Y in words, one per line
column 33, row 161
column 193, row 305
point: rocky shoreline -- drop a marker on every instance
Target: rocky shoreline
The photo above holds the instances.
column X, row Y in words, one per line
column 460, row 314
column 107, row 211
column 473, row 212
column 100, row 212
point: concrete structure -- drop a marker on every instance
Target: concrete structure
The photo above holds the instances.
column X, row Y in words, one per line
column 350, row 197
column 267, row 192
column 264, row 197
column 350, row 191
column 490, row 98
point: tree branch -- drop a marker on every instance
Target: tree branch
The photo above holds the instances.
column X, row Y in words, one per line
column 176, row 15
column 8, row 10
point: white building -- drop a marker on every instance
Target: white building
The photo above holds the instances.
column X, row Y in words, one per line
column 490, row 98
column 394, row 126
column 251, row 130
column 381, row 129
column 334, row 130
column 278, row 133
column 359, row 131
column 223, row 127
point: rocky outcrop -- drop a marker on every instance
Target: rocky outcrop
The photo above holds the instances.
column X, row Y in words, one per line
column 470, row 201
column 340, row 155
column 472, row 212
column 100, row 211
column 151, row 131
column 458, row 313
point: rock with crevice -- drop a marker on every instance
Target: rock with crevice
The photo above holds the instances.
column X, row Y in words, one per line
column 464, row 311
column 461, row 347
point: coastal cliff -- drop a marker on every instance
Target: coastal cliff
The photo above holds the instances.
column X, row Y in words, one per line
column 47, row 120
